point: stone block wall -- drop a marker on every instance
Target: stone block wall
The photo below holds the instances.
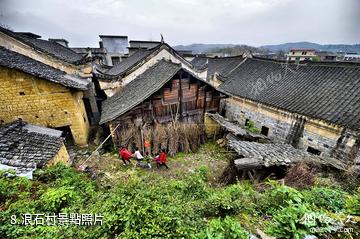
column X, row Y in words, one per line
column 41, row 102
column 240, row 110
column 330, row 140
column 320, row 137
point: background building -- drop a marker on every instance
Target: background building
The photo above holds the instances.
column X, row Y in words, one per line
column 301, row 54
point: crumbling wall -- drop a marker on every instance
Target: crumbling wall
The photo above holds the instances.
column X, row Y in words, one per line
column 212, row 128
column 279, row 124
column 347, row 146
column 320, row 136
column 291, row 128
column 42, row 102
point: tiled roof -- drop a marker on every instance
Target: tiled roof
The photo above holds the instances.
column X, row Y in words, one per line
column 51, row 48
column 28, row 146
column 223, row 65
column 135, row 60
column 129, row 62
column 322, row 91
column 23, row 63
column 257, row 155
column 200, row 62
column 138, row 90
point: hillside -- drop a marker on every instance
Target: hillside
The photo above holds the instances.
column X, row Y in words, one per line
column 186, row 201
column 318, row 47
column 204, row 48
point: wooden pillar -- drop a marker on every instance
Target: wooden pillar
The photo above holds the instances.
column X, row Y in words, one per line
column 205, row 99
column 197, row 93
column 180, row 95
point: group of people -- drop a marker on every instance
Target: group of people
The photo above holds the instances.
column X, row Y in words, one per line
column 160, row 158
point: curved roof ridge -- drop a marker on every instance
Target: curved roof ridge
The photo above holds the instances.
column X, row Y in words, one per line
column 139, row 89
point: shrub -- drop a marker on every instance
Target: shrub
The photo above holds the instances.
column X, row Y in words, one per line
column 252, row 127
column 233, row 199
column 332, row 199
column 227, row 228
column 296, row 221
column 13, row 188
column 278, row 196
column 55, row 199
column 352, row 203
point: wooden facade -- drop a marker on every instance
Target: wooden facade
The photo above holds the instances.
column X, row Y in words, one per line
column 183, row 99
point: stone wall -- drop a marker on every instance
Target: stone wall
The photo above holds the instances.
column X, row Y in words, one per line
column 42, row 102
column 320, row 136
column 330, row 140
column 279, row 123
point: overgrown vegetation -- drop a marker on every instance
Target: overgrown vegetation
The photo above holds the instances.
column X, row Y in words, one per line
column 251, row 126
column 151, row 204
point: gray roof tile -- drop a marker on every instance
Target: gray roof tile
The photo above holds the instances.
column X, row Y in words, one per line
column 23, row 63
column 329, row 92
column 138, row 90
column 28, row 146
column 223, row 65
column 51, row 48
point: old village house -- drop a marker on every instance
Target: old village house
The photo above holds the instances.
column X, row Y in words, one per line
column 45, row 83
column 312, row 106
column 114, row 78
column 164, row 94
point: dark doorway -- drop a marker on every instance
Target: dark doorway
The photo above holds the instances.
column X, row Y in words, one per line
column 223, row 112
column 88, row 110
column 264, row 130
column 247, row 121
column 66, row 133
column 313, row 151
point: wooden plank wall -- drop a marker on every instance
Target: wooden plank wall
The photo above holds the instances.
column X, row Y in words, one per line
column 185, row 95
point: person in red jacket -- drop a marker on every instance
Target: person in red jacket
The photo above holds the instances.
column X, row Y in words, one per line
column 162, row 161
column 125, row 155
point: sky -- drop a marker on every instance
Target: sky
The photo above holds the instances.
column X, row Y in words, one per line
column 251, row 22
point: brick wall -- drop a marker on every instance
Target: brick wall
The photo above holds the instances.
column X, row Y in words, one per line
column 42, row 102
column 61, row 156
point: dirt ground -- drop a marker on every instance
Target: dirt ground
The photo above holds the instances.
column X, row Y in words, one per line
column 111, row 168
